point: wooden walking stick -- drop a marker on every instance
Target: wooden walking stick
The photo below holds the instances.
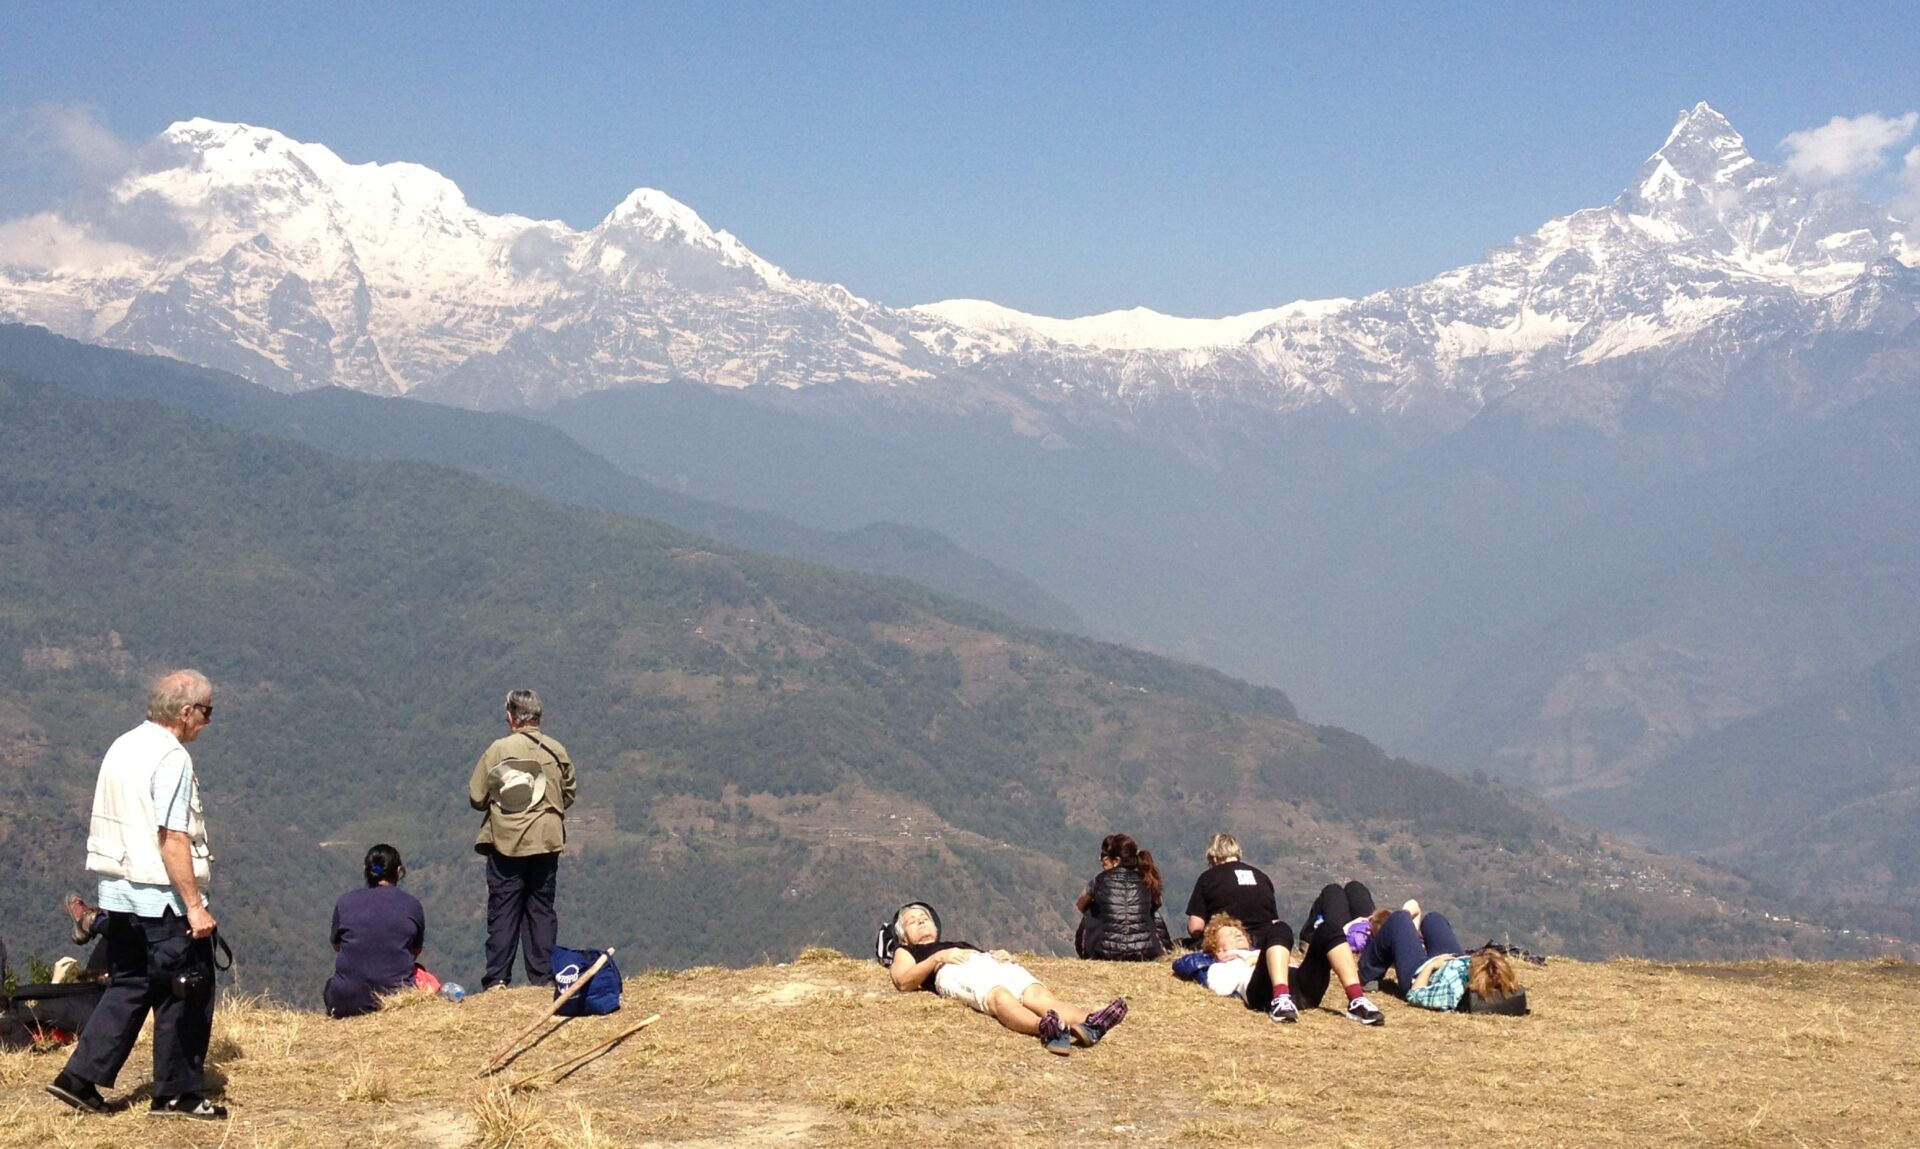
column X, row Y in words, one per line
column 581, row 1059
column 579, row 984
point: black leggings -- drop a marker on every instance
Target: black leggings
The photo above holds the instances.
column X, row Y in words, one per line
column 1274, row 935
column 1326, row 927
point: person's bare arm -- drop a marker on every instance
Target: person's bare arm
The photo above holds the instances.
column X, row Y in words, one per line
column 176, row 853
column 1083, row 901
column 1196, row 926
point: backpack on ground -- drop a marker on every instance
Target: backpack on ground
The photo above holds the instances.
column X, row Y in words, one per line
column 887, row 939
column 601, row 995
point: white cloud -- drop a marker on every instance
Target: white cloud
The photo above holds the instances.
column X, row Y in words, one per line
column 69, row 138
column 1906, row 197
column 91, row 149
column 1845, row 147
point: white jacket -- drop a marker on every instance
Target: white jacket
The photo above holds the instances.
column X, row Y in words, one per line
column 123, row 838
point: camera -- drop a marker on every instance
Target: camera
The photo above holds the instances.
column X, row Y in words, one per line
column 190, row 984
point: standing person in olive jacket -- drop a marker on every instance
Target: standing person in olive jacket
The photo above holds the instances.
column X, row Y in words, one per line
column 525, row 783
column 1121, row 905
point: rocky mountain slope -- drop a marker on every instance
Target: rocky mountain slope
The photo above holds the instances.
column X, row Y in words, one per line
column 236, row 247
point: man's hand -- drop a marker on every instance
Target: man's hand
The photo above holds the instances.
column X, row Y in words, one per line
column 200, row 921
column 999, row 955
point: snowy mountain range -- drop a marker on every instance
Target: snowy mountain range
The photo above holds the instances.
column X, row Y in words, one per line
column 235, row 247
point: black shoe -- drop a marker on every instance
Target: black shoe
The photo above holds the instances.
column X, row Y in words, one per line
column 79, row 1094
column 187, row 1105
column 1364, row 1012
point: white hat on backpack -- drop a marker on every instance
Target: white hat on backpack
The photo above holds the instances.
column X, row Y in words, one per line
column 516, row 786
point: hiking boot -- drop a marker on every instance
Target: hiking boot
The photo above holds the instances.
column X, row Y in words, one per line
column 1108, row 1015
column 1282, row 1008
column 86, row 919
column 1364, row 1012
column 82, row 1095
column 187, row 1105
column 1053, row 1035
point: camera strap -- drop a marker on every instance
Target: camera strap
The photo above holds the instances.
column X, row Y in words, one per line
column 221, row 949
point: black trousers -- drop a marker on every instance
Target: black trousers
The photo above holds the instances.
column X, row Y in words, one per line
column 143, row 957
column 1274, row 935
column 1326, row 928
column 520, row 910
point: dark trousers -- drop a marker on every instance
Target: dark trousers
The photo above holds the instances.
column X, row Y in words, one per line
column 520, row 909
column 1326, row 928
column 1271, row 936
column 143, row 957
column 1400, row 945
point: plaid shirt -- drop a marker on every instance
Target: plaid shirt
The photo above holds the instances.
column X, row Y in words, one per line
column 1445, row 988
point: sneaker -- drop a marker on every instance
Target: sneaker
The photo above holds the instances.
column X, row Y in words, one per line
column 83, row 1095
column 1364, row 1012
column 1282, row 1008
column 1053, row 1035
column 187, row 1105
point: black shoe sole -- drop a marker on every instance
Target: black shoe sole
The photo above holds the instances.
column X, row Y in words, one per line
column 78, row 1101
column 188, row 1114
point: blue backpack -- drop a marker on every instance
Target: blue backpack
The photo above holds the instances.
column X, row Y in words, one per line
column 601, row 995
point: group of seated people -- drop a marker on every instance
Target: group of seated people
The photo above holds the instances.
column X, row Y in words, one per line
column 1243, row 950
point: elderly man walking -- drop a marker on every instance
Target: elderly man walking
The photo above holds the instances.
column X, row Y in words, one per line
column 525, row 784
column 147, row 842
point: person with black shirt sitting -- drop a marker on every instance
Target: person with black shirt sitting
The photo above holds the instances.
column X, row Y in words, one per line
column 1121, row 906
column 991, row 982
column 1230, row 886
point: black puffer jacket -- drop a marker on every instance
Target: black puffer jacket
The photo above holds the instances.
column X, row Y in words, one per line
column 1121, row 923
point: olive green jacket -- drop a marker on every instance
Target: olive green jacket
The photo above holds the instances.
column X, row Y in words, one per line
column 541, row 828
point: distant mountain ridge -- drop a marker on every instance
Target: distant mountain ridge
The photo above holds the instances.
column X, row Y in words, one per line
column 523, row 454
column 236, row 247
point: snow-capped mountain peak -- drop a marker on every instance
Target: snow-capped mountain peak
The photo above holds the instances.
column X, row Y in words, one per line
column 1703, row 150
column 650, row 232
column 239, row 247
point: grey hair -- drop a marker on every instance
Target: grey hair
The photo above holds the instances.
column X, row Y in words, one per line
column 523, row 706
column 1224, row 848
column 173, row 692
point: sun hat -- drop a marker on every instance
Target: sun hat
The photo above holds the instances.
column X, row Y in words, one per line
column 516, row 785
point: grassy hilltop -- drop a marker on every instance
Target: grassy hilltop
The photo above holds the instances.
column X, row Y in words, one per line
column 822, row 1051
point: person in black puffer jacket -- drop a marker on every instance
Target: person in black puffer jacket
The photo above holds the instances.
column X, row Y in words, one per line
column 1120, row 909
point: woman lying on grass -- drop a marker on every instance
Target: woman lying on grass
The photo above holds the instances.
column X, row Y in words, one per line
column 1433, row 969
column 993, row 983
column 1259, row 971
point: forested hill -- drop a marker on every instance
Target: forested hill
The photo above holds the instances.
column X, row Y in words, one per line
column 771, row 753
column 521, row 453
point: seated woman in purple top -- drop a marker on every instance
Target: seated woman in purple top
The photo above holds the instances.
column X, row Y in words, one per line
column 377, row 933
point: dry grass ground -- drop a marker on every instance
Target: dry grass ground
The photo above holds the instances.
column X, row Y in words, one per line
column 822, row 1051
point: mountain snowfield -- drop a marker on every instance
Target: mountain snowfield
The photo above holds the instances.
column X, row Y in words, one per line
column 235, row 247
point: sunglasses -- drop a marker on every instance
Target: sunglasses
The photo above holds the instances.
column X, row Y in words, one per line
column 205, row 709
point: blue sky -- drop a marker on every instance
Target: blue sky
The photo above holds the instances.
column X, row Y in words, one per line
column 1063, row 159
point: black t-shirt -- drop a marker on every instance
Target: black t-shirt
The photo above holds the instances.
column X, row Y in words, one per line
column 922, row 953
column 1234, row 888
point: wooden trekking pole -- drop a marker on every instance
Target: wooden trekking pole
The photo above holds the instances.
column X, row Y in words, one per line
column 582, row 1058
column 579, row 984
